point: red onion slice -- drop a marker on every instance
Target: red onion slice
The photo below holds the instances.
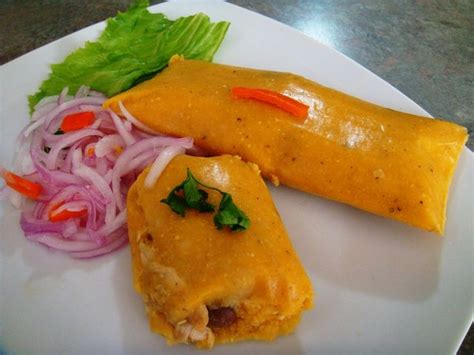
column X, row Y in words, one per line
column 43, row 110
column 96, row 180
column 160, row 164
column 32, row 225
column 45, row 119
column 91, row 168
column 113, row 225
column 124, row 133
column 63, row 95
column 108, row 144
column 134, row 150
column 83, row 91
column 55, row 241
column 112, row 244
column 53, row 177
column 68, row 140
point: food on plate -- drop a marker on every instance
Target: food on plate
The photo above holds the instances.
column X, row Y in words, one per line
column 390, row 163
column 190, row 194
column 205, row 285
column 76, row 160
column 134, row 45
column 75, row 164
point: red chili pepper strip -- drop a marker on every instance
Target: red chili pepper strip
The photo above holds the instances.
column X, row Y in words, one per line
column 76, row 121
column 283, row 102
column 25, row 187
column 66, row 214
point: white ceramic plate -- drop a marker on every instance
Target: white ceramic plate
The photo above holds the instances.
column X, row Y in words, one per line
column 382, row 287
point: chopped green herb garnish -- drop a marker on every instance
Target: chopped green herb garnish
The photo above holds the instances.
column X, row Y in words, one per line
column 229, row 215
column 58, row 132
column 189, row 195
column 176, row 202
column 195, row 197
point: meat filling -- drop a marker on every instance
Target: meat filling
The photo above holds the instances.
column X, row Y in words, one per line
column 198, row 327
column 221, row 317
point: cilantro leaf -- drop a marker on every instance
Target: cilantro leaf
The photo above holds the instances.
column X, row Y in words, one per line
column 229, row 215
column 176, row 202
column 196, row 198
column 189, row 195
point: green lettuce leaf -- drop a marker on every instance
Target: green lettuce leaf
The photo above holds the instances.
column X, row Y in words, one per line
column 134, row 46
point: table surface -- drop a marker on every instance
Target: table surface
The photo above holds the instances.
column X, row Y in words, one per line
column 425, row 48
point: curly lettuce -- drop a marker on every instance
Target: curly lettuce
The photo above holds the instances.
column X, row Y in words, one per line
column 134, row 46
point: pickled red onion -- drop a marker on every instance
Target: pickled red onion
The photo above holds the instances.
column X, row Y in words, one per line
column 91, row 168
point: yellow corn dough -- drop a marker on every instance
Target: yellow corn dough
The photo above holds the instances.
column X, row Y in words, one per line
column 187, row 271
column 386, row 162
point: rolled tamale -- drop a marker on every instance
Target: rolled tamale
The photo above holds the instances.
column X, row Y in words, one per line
column 204, row 285
column 390, row 163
